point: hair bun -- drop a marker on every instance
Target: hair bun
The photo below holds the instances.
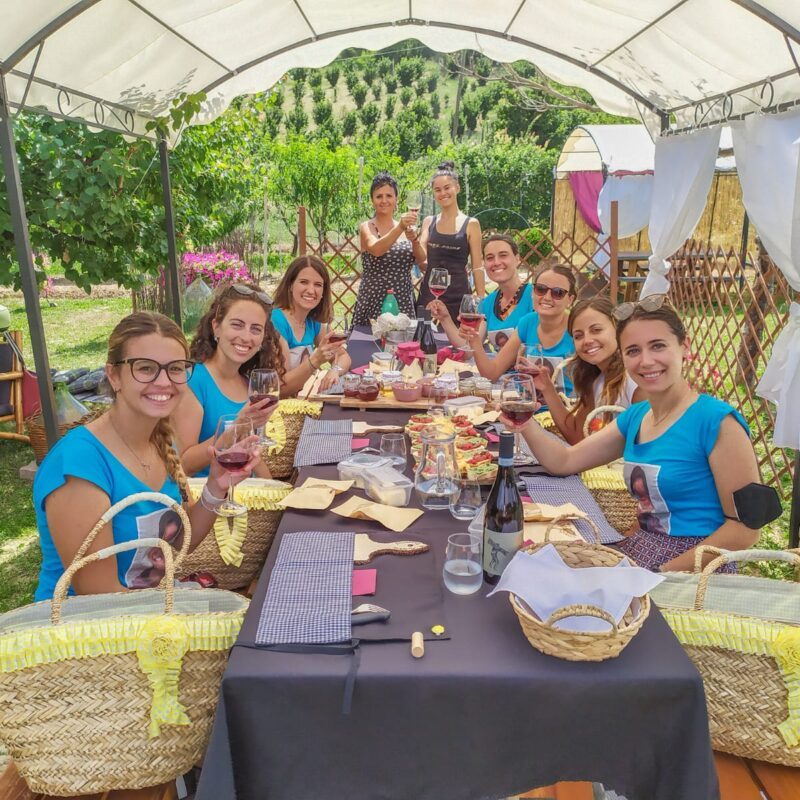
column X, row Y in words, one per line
column 446, row 166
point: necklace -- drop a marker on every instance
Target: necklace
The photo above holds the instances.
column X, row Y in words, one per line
column 500, row 310
column 144, row 464
column 673, row 410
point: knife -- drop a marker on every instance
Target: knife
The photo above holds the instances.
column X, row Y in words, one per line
column 368, row 612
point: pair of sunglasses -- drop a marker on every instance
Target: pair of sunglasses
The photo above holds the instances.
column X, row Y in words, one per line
column 541, row 290
column 650, row 303
column 246, row 291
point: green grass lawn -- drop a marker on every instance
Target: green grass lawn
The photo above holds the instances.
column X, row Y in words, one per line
column 77, row 334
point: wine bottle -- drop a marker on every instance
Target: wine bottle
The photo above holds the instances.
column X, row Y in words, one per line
column 503, row 523
column 428, row 346
column 420, row 329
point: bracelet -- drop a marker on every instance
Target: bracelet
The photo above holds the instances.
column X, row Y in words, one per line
column 213, row 501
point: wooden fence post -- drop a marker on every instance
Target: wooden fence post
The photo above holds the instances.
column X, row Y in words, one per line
column 613, row 246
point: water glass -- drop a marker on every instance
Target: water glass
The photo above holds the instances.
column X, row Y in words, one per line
column 463, row 564
column 393, row 447
column 465, row 504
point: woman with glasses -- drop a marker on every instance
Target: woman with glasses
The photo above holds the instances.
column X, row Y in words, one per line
column 302, row 315
column 127, row 450
column 543, row 331
column 685, row 453
column 233, row 337
column 597, row 373
column 505, row 307
column 451, row 240
column 389, row 250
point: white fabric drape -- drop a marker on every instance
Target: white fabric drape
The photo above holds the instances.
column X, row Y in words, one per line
column 767, row 150
column 633, row 194
column 683, row 172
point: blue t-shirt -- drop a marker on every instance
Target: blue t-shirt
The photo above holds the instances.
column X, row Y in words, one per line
column 505, row 327
column 80, row 454
column 297, row 347
column 214, row 403
column 670, row 477
column 528, row 330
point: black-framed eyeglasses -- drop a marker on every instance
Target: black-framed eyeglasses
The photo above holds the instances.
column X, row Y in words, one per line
column 146, row 370
column 650, row 303
column 246, row 291
column 558, row 293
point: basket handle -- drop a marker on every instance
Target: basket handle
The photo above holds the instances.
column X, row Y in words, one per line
column 704, row 550
column 59, row 593
column 740, row 556
column 595, row 412
column 155, row 497
column 563, row 517
column 581, row 611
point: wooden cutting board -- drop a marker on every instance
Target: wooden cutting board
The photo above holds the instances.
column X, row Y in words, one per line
column 365, row 549
column 385, row 402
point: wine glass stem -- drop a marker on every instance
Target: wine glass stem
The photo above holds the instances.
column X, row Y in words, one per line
column 517, row 444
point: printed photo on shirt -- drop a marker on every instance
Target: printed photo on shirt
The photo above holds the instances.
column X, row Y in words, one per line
column 147, row 568
column 651, row 510
column 499, row 337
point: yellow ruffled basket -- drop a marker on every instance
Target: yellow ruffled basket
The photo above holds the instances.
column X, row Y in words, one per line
column 285, row 426
column 114, row 691
column 743, row 635
column 236, row 552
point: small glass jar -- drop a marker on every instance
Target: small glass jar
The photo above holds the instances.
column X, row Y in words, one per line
column 350, row 384
column 482, row 387
column 466, row 387
column 388, row 378
column 368, row 388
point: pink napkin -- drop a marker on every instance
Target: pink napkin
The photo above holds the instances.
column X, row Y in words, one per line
column 359, row 443
column 408, row 351
column 492, row 437
column 364, row 581
column 360, row 370
column 450, row 352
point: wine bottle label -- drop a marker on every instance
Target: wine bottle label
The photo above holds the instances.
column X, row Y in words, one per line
column 499, row 549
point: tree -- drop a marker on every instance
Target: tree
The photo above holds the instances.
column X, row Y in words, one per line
column 359, row 93
column 420, row 87
column 322, row 111
column 436, row 106
column 409, row 70
column 406, row 96
column 384, row 67
column 471, row 110
column 351, row 79
column 370, row 72
column 370, row 115
column 376, row 90
column 94, row 202
column 332, row 73
column 391, row 84
column 297, row 120
column 432, row 81
column 314, row 78
column 388, row 106
column 317, row 94
column 273, row 117
column 350, row 123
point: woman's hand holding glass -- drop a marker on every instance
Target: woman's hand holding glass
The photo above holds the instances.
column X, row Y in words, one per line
column 264, row 392
column 409, row 219
column 439, row 312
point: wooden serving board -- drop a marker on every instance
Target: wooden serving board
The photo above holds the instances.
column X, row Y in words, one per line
column 365, row 549
column 384, row 402
column 310, row 390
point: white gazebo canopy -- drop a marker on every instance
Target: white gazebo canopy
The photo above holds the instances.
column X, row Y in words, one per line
column 118, row 63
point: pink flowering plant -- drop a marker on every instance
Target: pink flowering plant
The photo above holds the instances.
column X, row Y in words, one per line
column 214, row 268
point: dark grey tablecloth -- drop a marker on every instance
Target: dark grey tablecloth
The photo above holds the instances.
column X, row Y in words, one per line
column 482, row 715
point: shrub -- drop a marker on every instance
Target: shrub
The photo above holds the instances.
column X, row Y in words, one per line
column 317, row 94
column 314, row 78
column 214, row 268
column 359, row 93
column 370, row 115
column 322, row 111
column 297, row 120
column 332, row 73
column 436, row 105
column 409, row 70
column 406, row 95
column 432, row 81
column 350, row 123
column 388, row 106
column 391, row 84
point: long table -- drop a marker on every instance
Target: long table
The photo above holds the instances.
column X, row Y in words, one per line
column 481, row 716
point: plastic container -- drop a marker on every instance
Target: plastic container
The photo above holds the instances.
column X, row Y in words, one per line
column 389, row 305
column 469, row 407
column 381, row 361
column 388, row 378
column 387, row 485
column 358, row 465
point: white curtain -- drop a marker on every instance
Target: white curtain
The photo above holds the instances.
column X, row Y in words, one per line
column 684, row 167
column 633, row 194
column 767, row 150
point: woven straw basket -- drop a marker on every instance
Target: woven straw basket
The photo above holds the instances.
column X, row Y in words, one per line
column 38, row 435
column 579, row 645
column 235, row 550
column 285, row 426
column 114, row 691
column 743, row 635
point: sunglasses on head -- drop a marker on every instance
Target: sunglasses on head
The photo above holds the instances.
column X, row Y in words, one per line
column 246, row 291
column 558, row 293
column 650, row 303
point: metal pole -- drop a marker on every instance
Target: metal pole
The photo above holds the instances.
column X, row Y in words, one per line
column 794, row 518
column 30, row 290
column 745, row 237
column 613, row 241
column 172, row 282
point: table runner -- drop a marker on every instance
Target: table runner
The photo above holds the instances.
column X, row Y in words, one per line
column 557, row 491
column 309, row 595
column 324, row 441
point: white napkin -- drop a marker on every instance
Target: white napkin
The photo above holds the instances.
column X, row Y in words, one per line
column 546, row 584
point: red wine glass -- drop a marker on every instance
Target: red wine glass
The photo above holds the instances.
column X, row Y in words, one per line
column 439, row 281
column 264, row 385
column 233, row 448
column 518, row 403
